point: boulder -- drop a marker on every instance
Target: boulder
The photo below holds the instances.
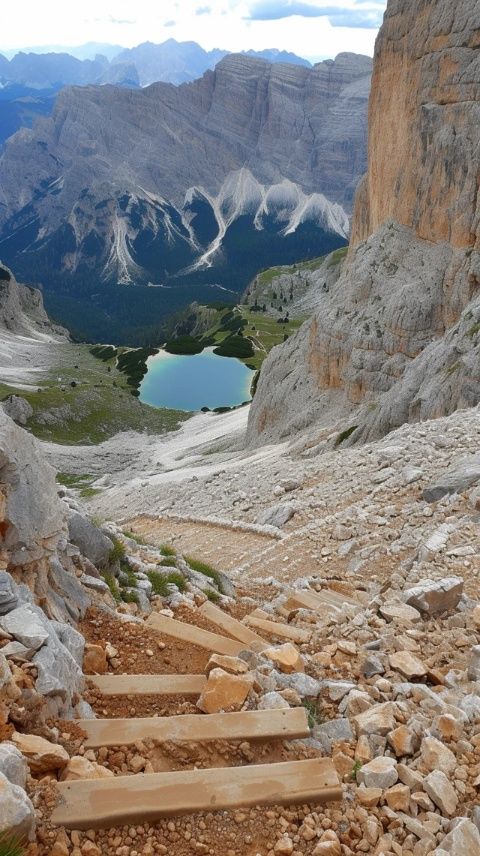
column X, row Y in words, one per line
column 95, row 660
column 224, row 691
column 379, row 720
column 8, row 596
column 435, row 756
column 277, row 515
column 379, row 773
column 462, row 840
column 403, row 741
column 333, row 731
column 460, row 477
column 25, row 625
column 33, row 512
column 473, row 672
column 42, row 756
column 18, row 408
column 272, row 701
column 435, row 596
column 407, row 664
column 400, row 612
column 12, row 764
column 233, row 665
column 17, row 815
column 441, row 792
column 79, row 767
column 90, row 540
column 286, row 658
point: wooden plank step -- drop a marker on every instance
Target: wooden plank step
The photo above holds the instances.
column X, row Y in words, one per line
column 195, row 635
column 232, row 626
column 245, row 725
column 276, row 628
column 138, row 685
column 326, row 599
column 122, row 800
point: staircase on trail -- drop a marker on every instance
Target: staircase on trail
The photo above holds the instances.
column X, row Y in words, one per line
column 95, row 804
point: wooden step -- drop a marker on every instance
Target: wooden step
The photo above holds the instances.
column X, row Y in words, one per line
column 232, row 626
column 138, row 685
column 263, row 621
column 136, row 799
column 194, row 635
column 325, row 600
column 245, row 725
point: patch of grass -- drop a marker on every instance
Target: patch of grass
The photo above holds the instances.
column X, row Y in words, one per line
column 355, row 769
column 314, row 715
column 130, row 597
column 206, row 570
column 113, row 586
column 11, row 845
column 214, row 596
column 86, row 492
column 117, row 553
column 160, row 582
column 131, row 576
column 337, row 256
column 74, row 479
column 474, row 330
column 168, row 562
column 134, row 537
column 454, row 368
column 344, row 435
column 166, row 550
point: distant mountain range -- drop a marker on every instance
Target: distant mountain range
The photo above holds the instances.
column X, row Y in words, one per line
column 170, row 62
column 30, row 80
column 191, row 188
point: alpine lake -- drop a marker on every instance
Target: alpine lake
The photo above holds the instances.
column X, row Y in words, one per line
column 195, row 381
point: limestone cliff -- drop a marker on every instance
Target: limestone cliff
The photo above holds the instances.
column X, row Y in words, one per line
column 398, row 337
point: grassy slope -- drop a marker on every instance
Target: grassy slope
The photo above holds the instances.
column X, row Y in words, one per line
column 97, row 408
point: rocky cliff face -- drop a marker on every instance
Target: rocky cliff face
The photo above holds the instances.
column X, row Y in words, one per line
column 21, row 309
column 138, row 186
column 398, row 337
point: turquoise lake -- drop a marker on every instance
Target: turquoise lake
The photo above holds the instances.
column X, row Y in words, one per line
column 196, row 381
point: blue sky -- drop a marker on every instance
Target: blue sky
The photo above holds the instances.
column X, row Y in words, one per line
column 310, row 28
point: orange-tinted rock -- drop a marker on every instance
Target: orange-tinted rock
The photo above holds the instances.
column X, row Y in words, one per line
column 224, row 692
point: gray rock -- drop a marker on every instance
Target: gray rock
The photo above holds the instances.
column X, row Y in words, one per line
column 435, row 596
column 13, row 765
column 18, row 652
column 71, row 639
column 473, row 672
column 70, row 597
column 24, row 625
column 470, row 705
column 462, row 840
column 304, row 685
column 33, row 512
column 17, row 815
column 277, row 515
column 8, row 597
column 18, row 409
column 333, row 731
column 459, row 478
column 372, row 666
column 379, row 773
column 90, row 540
column 441, row 792
column 272, row 701
column 95, row 583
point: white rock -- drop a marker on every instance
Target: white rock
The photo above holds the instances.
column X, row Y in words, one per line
column 12, row 764
column 441, row 792
column 379, row 773
column 24, row 625
column 17, row 815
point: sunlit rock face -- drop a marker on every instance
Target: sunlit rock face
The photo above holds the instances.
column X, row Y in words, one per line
column 397, row 338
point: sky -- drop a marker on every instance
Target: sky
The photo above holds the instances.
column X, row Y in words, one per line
column 310, row 28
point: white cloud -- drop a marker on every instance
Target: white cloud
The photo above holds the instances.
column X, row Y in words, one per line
column 216, row 23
